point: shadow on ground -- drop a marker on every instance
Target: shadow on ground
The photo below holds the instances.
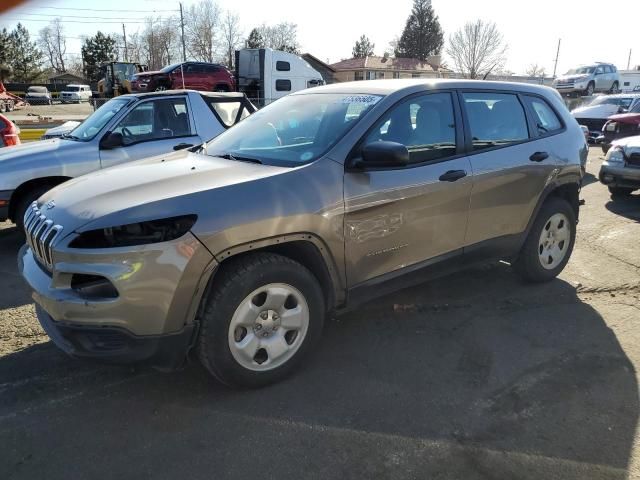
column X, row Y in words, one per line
column 472, row 376
column 628, row 207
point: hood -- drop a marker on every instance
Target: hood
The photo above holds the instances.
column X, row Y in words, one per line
column 629, row 144
column 573, row 76
column 152, row 72
column 34, row 151
column 179, row 183
column 603, row 111
column 60, row 130
column 630, row 118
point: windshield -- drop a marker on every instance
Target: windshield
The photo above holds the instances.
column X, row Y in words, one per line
column 170, row 68
column 73, row 88
column 581, row 71
column 623, row 102
column 294, row 130
column 98, row 119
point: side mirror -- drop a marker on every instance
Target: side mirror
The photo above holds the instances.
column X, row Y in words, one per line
column 111, row 140
column 384, row 154
column 622, row 110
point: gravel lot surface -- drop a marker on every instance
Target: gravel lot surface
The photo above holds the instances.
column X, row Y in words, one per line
column 473, row 376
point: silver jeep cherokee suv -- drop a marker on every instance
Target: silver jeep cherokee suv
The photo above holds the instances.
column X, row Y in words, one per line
column 321, row 200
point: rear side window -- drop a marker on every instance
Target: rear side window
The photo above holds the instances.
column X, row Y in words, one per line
column 544, row 117
column 283, row 66
column 283, row 85
column 495, row 119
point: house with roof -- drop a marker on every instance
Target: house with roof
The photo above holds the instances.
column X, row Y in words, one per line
column 374, row 67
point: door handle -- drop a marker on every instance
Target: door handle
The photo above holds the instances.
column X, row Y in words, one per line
column 182, row 146
column 539, row 156
column 452, row 175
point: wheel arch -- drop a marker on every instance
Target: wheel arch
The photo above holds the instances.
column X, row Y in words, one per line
column 30, row 185
column 304, row 248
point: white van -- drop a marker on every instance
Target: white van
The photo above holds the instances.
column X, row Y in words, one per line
column 264, row 74
column 74, row 93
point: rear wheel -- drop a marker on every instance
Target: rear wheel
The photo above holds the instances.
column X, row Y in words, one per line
column 620, row 192
column 264, row 314
column 614, row 87
column 549, row 244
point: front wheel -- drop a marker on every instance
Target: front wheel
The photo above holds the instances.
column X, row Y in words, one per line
column 25, row 201
column 620, row 192
column 264, row 314
column 549, row 244
column 590, row 89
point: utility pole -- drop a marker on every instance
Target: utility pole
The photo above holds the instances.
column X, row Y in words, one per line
column 629, row 60
column 184, row 48
column 126, row 51
column 555, row 64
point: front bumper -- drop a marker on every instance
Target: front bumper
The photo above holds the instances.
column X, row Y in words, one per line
column 618, row 175
column 146, row 297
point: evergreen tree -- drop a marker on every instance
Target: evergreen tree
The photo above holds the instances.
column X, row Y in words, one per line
column 363, row 48
column 24, row 57
column 97, row 50
column 255, row 39
column 422, row 35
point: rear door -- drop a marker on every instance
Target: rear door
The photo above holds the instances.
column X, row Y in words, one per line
column 399, row 218
column 152, row 127
column 511, row 158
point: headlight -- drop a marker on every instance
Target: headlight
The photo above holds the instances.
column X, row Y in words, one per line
column 615, row 155
column 152, row 231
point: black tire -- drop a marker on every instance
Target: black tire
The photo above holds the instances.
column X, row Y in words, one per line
column 238, row 279
column 528, row 265
column 605, row 147
column 591, row 87
column 614, row 87
column 620, row 192
column 25, row 200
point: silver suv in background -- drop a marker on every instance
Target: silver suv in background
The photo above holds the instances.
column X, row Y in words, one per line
column 588, row 79
column 326, row 198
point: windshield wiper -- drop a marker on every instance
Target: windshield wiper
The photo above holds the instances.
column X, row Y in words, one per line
column 228, row 156
column 69, row 136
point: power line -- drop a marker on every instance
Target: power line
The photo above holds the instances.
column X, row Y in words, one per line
column 64, row 21
column 48, row 15
column 106, row 10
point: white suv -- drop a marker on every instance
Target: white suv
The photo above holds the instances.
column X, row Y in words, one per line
column 599, row 77
column 76, row 93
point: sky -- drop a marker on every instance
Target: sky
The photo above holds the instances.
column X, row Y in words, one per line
column 329, row 28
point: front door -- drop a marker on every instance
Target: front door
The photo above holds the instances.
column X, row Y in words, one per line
column 406, row 216
column 151, row 128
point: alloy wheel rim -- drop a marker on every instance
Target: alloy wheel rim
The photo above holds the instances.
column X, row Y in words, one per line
column 268, row 327
column 554, row 241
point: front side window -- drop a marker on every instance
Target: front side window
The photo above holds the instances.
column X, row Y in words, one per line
column 545, row 118
column 495, row 119
column 424, row 124
column 599, row 70
column 155, row 120
column 294, row 130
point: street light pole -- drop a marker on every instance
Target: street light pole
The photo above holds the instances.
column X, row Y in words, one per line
column 555, row 64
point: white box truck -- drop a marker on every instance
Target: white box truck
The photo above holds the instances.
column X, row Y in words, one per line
column 264, row 74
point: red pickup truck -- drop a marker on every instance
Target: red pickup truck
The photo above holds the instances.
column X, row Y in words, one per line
column 194, row 75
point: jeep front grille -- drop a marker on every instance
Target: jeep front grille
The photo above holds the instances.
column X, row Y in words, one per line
column 40, row 233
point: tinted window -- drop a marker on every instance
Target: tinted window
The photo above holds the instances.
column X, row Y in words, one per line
column 599, row 70
column 283, row 85
column 295, row 129
column 424, row 124
column 155, row 120
column 210, row 68
column 495, row 119
column 545, row 118
column 283, row 66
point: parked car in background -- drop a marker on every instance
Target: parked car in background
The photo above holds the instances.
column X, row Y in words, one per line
column 326, row 198
column 595, row 114
column 202, row 76
column 621, row 125
column 37, row 95
column 125, row 128
column 60, row 130
column 588, row 79
column 9, row 133
column 76, row 93
column 620, row 170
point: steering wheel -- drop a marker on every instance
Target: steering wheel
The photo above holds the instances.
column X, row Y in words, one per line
column 126, row 132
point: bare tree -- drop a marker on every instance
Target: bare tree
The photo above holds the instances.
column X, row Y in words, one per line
column 282, row 36
column 231, row 36
column 202, row 23
column 477, row 49
column 52, row 41
column 156, row 45
column 535, row 70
